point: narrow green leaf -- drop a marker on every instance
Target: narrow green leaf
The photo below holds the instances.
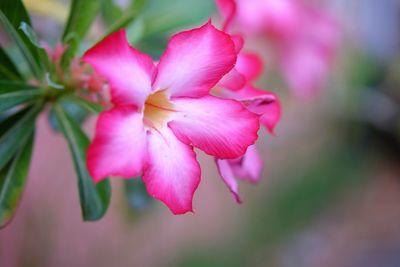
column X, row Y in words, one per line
column 17, row 134
column 118, row 18
column 87, row 105
column 15, row 93
column 73, row 110
column 8, row 71
column 28, row 31
column 81, row 16
column 12, row 181
column 10, row 117
column 12, row 14
column 110, row 12
column 166, row 16
column 121, row 22
column 53, row 84
column 94, row 198
column 31, row 35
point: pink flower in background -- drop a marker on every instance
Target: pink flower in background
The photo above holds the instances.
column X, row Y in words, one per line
column 304, row 38
column 161, row 112
column 55, row 54
column 237, row 84
column 87, row 83
column 249, row 166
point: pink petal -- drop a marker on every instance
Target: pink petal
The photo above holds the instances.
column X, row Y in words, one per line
column 228, row 177
column 227, row 8
column 262, row 102
column 119, row 145
column 249, row 166
column 238, row 40
column 250, row 65
column 233, row 80
column 220, row 127
column 195, row 61
column 172, row 172
column 128, row 71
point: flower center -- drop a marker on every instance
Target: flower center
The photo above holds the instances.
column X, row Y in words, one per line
column 157, row 110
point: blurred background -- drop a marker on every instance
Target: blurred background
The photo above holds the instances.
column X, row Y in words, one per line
column 330, row 190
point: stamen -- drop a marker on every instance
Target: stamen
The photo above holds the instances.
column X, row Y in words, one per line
column 157, row 110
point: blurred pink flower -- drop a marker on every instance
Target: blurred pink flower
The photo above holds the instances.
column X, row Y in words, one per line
column 237, row 84
column 55, row 53
column 247, row 167
column 91, row 86
column 161, row 112
column 88, row 84
column 304, row 37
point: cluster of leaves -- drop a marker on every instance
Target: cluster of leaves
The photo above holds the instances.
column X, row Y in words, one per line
column 29, row 85
column 24, row 93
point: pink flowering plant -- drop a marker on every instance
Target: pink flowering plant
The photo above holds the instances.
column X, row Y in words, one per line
column 302, row 36
column 157, row 104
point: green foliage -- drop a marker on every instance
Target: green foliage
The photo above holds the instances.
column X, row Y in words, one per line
column 15, row 93
column 13, row 179
column 81, row 17
column 86, row 105
column 20, row 104
column 30, row 33
column 162, row 16
column 76, row 108
column 110, row 11
column 17, row 132
column 8, row 71
column 94, row 199
column 12, row 16
column 159, row 19
column 116, row 18
column 17, row 128
column 74, row 111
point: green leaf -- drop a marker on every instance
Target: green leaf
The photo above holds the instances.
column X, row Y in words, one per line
column 116, row 18
column 17, row 134
column 12, row 181
column 53, row 84
column 10, row 117
column 8, row 71
column 15, row 93
column 110, row 12
column 74, row 111
column 12, row 14
column 29, row 32
column 94, row 198
column 87, row 105
column 81, row 16
column 166, row 16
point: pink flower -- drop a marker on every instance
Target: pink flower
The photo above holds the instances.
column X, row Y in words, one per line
column 55, row 53
column 247, row 167
column 161, row 112
column 237, row 84
column 304, row 38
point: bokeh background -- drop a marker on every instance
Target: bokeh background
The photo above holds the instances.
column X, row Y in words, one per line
column 330, row 190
